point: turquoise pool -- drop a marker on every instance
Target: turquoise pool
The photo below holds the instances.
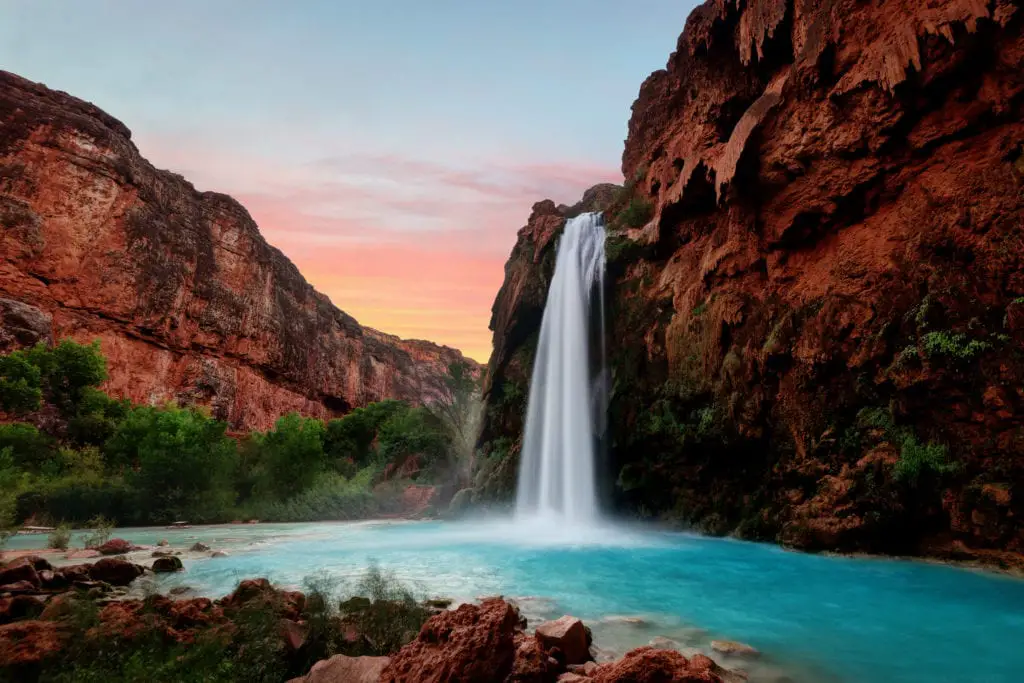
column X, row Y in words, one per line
column 816, row 619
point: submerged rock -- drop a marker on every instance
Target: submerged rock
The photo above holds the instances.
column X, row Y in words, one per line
column 734, row 649
column 164, row 565
column 198, row 547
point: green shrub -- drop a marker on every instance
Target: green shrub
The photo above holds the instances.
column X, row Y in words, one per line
column 30, row 449
column 101, row 529
column 20, row 380
column 637, row 213
column 412, row 432
column 352, row 436
column 955, row 346
column 875, row 418
column 392, row 617
column 331, row 498
column 80, row 498
column 97, row 418
column 919, row 461
column 59, row 538
column 292, row 455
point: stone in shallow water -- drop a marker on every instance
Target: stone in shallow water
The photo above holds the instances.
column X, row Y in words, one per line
column 164, row 565
column 734, row 649
column 625, row 619
column 218, row 553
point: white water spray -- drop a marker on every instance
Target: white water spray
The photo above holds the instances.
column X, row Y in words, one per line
column 568, row 396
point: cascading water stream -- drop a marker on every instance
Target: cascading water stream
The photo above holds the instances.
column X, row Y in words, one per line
column 565, row 414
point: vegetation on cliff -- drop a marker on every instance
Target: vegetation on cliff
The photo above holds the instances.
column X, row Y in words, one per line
column 814, row 283
column 77, row 453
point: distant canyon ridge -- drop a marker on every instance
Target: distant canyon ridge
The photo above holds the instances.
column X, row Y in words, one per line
column 188, row 301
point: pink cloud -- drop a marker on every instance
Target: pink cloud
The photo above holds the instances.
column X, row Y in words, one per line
column 410, row 246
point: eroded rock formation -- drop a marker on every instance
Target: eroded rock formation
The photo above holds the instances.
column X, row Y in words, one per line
column 818, row 294
column 188, row 300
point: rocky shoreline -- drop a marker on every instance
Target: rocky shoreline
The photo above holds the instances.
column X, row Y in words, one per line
column 42, row 628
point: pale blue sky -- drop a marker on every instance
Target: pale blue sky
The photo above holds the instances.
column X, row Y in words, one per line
column 416, row 123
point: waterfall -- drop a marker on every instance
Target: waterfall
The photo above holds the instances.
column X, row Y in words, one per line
column 568, row 396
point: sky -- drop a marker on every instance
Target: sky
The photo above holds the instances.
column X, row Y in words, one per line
column 392, row 150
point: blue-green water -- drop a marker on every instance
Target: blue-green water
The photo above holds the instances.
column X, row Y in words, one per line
column 818, row 619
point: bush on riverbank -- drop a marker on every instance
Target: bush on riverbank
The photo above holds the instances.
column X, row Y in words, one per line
column 257, row 634
column 158, row 464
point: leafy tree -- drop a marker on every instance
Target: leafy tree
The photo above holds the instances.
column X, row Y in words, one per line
column 20, row 390
column 292, row 454
column 68, row 370
column 412, row 432
column 352, row 436
column 30, row 449
column 183, row 462
column 96, row 418
column 454, row 398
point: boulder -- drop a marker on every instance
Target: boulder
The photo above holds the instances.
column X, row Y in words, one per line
column 648, row 665
column 19, row 587
column 38, row 563
column 23, row 325
column 734, row 649
column 59, row 607
column 342, row 669
column 569, row 635
column 218, row 553
column 293, row 634
column 533, row 662
column 21, row 607
column 26, row 643
column 166, row 565
column 21, row 569
column 199, row 547
column 116, row 572
column 115, row 546
column 471, row 644
column 588, row 669
column 163, row 542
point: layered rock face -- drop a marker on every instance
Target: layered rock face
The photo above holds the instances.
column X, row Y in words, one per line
column 817, row 308
column 187, row 299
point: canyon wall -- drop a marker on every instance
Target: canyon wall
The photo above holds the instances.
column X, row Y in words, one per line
column 188, row 300
column 817, row 294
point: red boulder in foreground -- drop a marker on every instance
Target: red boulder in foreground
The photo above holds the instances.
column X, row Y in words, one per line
column 470, row 644
column 650, row 665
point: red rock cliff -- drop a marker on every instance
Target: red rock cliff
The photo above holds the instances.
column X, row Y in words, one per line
column 818, row 310
column 188, row 300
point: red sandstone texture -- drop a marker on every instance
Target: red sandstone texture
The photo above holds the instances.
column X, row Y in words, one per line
column 187, row 299
column 836, row 213
column 487, row 644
